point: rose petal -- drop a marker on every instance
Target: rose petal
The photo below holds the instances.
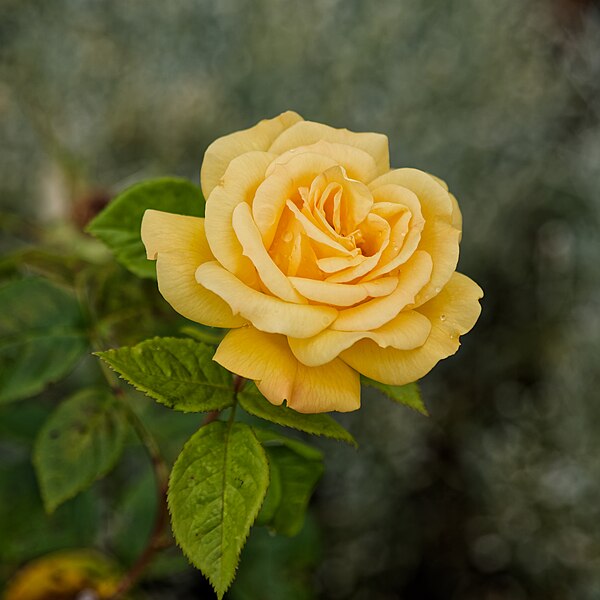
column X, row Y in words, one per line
column 406, row 331
column 376, row 238
column 456, row 214
column 270, row 274
column 262, row 357
column 403, row 244
column 396, row 194
column 334, row 386
column 439, row 237
column 441, row 241
column 267, row 359
column 179, row 245
column 357, row 200
column 341, row 294
column 318, row 235
column 281, row 185
column 266, row 313
column 434, row 199
column 333, row 264
column 244, row 174
column 375, row 313
column 305, row 133
column 359, row 164
column 453, row 312
column 223, row 150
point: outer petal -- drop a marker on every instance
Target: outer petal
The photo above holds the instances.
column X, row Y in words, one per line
column 441, row 241
column 266, row 313
column 456, row 214
column 262, row 357
column 305, row 133
column 179, row 245
column 452, row 312
column 334, row 386
column 267, row 359
column 439, row 237
column 223, row 150
column 408, row 330
column 242, row 178
column 359, row 164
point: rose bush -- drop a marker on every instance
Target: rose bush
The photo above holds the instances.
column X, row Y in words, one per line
column 323, row 262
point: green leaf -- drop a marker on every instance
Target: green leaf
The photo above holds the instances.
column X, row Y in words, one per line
column 216, row 489
column 80, row 442
column 41, row 336
column 278, row 568
column 179, row 373
column 254, row 403
column 273, row 498
column 294, row 476
column 118, row 226
column 269, row 438
column 409, row 394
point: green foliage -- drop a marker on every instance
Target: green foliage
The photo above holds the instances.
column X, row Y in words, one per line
column 295, row 470
column 209, row 335
column 41, row 336
column 118, row 226
column 80, row 442
column 278, row 567
column 254, row 403
column 216, row 489
column 179, row 373
column 409, row 394
column 271, row 439
column 27, row 530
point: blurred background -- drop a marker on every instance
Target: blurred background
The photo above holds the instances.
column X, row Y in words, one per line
column 495, row 495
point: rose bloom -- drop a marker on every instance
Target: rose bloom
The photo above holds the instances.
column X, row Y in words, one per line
column 323, row 262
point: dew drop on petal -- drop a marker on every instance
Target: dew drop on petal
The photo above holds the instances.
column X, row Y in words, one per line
column 438, row 290
column 287, row 236
column 442, row 317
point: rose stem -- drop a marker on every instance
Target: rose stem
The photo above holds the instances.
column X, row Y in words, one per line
column 161, row 474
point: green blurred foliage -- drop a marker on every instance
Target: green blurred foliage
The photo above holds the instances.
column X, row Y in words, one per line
column 492, row 497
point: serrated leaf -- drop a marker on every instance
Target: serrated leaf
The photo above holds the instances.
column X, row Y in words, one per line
column 409, row 394
column 179, row 373
column 216, row 489
column 295, row 475
column 119, row 224
column 80, row 442
column 41, row 336
column 254, row 403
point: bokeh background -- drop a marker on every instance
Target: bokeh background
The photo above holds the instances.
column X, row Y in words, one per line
column 495, row 495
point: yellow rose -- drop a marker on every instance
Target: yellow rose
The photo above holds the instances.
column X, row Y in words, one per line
column 322, row 261
column 65, row 574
